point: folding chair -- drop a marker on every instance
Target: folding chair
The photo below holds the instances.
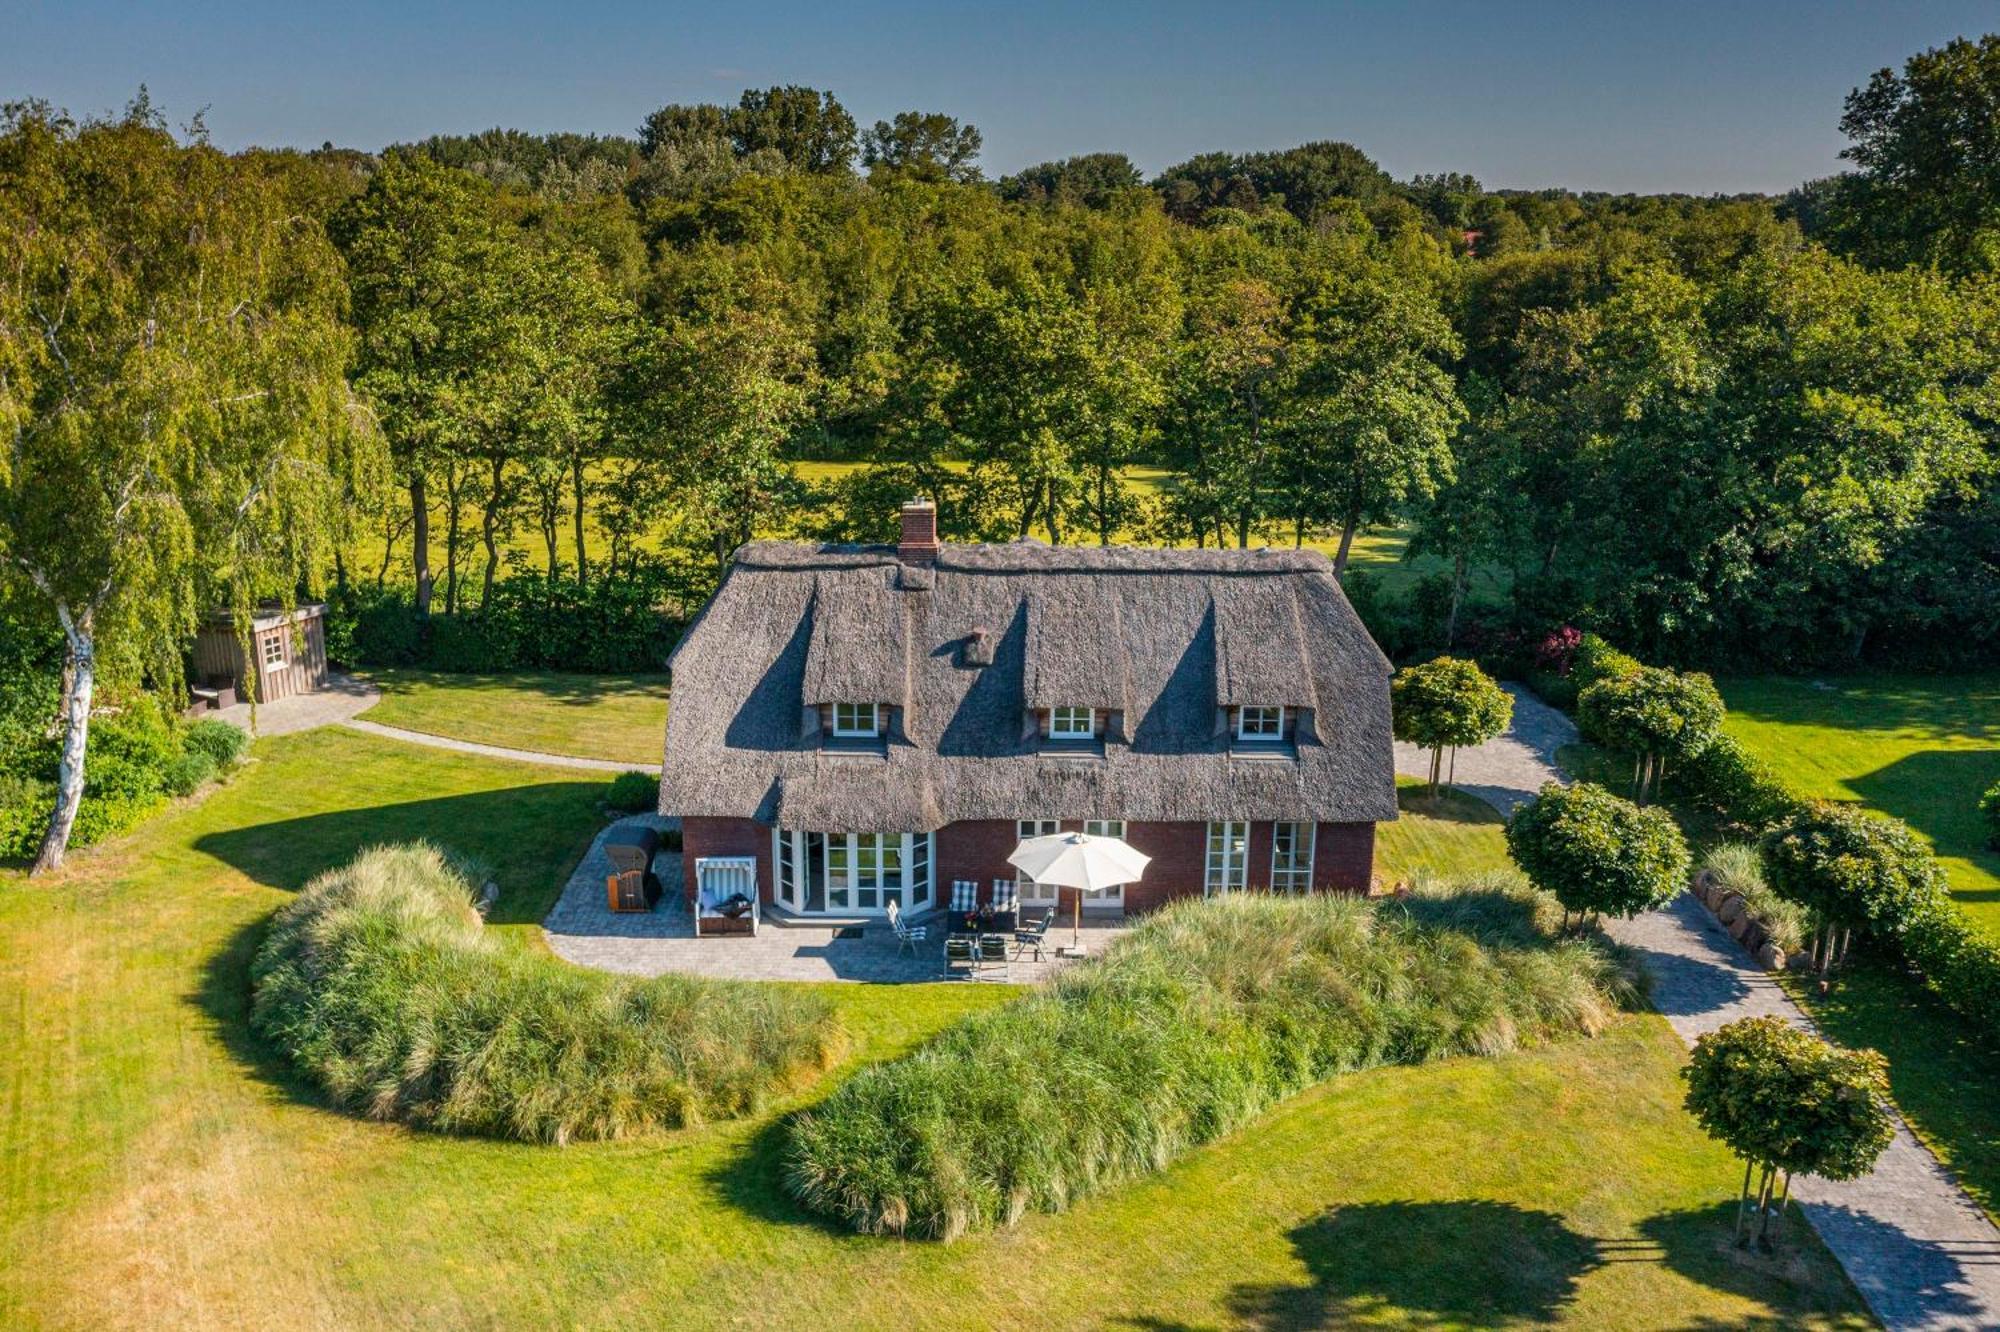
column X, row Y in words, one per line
column 907, row 936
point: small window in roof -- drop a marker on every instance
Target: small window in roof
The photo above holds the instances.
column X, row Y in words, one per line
column 1072, row 723
column 857, row 719
column 1260, row 723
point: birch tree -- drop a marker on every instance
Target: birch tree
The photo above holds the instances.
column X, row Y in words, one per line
column 175, row 429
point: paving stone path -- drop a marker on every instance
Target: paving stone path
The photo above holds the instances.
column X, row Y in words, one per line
column 342, row 698
column 496, row 751
column 1914, row 1245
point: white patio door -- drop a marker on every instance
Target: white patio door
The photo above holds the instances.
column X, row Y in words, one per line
column 1112, row 898
column 853, row 873
column 1032, row 893
column 1228, row 858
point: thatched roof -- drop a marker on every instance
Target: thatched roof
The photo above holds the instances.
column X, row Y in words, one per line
column 1166, row 637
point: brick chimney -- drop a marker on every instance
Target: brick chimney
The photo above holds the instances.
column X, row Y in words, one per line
column 919, row 543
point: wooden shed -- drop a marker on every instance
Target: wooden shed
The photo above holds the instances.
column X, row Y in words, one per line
column 288, row 653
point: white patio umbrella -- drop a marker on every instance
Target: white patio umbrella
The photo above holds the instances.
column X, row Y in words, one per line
column 1079, row 861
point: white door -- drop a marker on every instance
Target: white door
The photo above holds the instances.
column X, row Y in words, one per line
column 1228, row 858
column 1032, row 893
column 1112, row 898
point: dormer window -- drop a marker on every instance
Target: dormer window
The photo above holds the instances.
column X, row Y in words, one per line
column 1260, row 724
column 1072, row 723
column 854, row 721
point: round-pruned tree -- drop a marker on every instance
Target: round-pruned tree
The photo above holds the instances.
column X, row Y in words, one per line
column 1445, row 703
column 1654, row 714
column 1597, row 853
column 1850, row 871
column 1786, row 1101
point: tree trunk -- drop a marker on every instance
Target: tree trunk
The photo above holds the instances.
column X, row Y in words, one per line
column 1743, row 1200
column 1458, row 577
column 1347, row 527
column 79, row 686
column 576, row 500
column 451, row 489
column 420, row 552
column 489, row 522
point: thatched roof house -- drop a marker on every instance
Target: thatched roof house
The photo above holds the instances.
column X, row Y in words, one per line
column 833, row 691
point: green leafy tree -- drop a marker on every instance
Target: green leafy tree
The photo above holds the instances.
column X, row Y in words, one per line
column 1788, row 1102
column 1596, row 853
column 923, row 145
column 1091, row 180
column 178, row 431
column 1446, row 702
column 1654, row 714
column 1927, row 142
column 1850, row 870
column 809, row 129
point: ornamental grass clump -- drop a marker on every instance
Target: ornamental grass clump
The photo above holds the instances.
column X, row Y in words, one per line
column 381, row 984
column 1197, row 1021
column 1739, row 867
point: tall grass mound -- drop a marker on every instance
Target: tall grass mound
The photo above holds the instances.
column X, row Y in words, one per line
column 382, row 985
column 1194, row 1023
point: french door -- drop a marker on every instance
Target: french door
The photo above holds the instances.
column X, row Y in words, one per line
column 1228, row 858
column 852, row 873
column 1112, row 898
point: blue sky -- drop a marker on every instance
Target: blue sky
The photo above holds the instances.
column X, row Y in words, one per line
column 1614, row 95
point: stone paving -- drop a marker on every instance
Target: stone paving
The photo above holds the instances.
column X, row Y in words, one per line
column 341, row 699
column 1914, row 1245
column 583, row 929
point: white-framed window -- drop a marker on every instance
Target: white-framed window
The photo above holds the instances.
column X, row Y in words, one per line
column 864, row 871
column 848, row 873
column 1292, row 857
column 1228, row 857
column 274, row 652
column 1039, row 894
column 857, row 719
column 1072, row 723
column 1113, row 896
column 1260, row 723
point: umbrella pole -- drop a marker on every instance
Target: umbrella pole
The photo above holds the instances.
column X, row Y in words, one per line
column 1076, row 922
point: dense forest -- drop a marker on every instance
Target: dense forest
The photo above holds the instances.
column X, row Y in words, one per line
column 1722, row 431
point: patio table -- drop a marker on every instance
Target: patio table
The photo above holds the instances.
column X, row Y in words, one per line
column 982, row 922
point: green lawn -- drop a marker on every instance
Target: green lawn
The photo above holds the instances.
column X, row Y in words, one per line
column 159, row 1168
column 1451, row 834
column 617, row 717
column 1922, row 748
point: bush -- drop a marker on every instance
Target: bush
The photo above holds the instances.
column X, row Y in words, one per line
column 1737, row 787
column 1959, row 961
column 129, row 751
column 1594, row 660
column 187, row 771
column 25, row 806
column 1852, row 870
column 634, row 792
column 381, row 984
column 224, row 744
column 1597, row 853
column 1989, row 805
column 1196, row 1021
column 1739, row 867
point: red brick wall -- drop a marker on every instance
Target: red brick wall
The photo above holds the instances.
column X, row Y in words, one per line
column 1344, row 857
column 726, row 837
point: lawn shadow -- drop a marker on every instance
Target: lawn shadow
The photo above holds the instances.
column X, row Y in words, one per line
column 1936, row 792
column 1798, row 1277
column 1467, row 1262
column 223, row 997
column 570, row 690
column 1944, row 706
column 526, row 836
column 1450, row 804
column 752, row 1181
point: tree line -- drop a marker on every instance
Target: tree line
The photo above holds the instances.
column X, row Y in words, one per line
column 1743, row 429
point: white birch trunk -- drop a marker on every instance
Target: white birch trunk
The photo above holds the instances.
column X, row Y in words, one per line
column 82, row 674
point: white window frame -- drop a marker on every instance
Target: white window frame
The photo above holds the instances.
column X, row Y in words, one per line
column 1227, row 862
column 853, row 729
column 274, row 653
column 1114, row 896
column 914, row 878
column 1030, row 892
column 1290, row 872
column 1271, row 717
column 1058, row 730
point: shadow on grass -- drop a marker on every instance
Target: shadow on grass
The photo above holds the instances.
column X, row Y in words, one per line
column 1469, row 1263
column 1449, row 804
column 1799, row 1277
column 223, row 997
column 570, row 690
column 1937, row 792
column 528, row 837
column 752, row 1181
column 1940, row 705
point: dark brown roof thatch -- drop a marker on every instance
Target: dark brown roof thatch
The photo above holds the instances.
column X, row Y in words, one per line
column 1165, row 637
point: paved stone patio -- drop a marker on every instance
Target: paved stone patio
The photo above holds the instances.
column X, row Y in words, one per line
column 341, row 699
column 584, row 930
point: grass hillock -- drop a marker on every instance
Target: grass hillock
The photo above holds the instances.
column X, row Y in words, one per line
column 1197, row 1021
column 380, row 982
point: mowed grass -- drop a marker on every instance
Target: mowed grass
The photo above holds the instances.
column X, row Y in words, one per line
column 622, row 718
column 1922, row 748
column 160, row 1168
column 1451, row 833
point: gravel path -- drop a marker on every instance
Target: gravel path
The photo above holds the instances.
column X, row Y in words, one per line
column 496, row 751
column 1914, row 1245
